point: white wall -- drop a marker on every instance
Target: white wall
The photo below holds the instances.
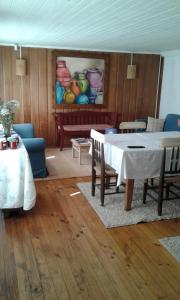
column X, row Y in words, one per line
column 170, row 94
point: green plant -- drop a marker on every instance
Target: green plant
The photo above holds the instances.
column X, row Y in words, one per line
column 7, row 110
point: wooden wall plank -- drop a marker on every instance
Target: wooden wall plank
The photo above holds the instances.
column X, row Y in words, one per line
column 34, row 89
column 7, row 73
column 43, row 95
column 18, row 88
column 130, row 98
column 2, row 76
column 113, row 82
column 51, row 127
column 26, row 95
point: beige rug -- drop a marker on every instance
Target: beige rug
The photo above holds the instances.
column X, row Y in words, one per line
column 61, row 164
column 172, row 244
column 112, row 214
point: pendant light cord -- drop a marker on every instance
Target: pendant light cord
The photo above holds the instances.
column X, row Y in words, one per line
column 157, row 89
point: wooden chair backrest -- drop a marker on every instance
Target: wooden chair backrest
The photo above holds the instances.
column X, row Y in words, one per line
column 131, row 126
column 98, row 140
column 172, row 145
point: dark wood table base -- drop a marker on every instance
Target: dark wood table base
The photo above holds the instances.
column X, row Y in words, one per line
column 128, row 193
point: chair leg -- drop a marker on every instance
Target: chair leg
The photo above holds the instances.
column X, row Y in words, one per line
column 145, row 190
column 167, row 190
column 102, row 195
column 160, row 198
column 159, row 207
column 152, row 181
column 61, row 142
column 102, row 188
column 93, row 183
column 117, row 189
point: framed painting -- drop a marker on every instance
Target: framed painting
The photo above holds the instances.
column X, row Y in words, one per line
column 80, row 79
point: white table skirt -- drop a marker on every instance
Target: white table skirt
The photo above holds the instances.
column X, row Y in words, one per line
column 17, row 187
column 135, row 163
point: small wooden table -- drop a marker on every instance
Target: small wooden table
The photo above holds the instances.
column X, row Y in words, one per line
column 80, row 145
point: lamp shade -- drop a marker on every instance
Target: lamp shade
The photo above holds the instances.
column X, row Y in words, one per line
column 131, row 72
column 20, row 67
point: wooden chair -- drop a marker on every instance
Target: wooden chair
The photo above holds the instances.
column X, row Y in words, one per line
column 167, row 188
column 130, row 127
column 100, row 169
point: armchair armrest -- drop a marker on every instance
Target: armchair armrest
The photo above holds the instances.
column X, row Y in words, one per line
column 34, row 144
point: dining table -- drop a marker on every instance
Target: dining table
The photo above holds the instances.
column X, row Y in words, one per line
column 135, row 156
column 17, row 188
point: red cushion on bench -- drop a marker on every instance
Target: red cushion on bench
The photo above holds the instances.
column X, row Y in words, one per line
column 86, row 127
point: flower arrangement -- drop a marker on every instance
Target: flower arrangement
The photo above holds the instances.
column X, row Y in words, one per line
column 7, row 110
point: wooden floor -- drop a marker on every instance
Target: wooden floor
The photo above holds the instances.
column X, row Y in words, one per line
column 61, row 250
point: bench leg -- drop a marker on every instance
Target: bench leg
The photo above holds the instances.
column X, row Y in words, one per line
column 61, row 144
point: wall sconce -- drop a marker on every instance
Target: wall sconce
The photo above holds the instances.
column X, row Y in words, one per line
column 131, row 69
column 20, row 65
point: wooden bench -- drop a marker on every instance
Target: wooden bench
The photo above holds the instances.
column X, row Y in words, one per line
column 80, row 123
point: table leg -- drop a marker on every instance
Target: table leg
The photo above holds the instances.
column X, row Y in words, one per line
column 128, row 193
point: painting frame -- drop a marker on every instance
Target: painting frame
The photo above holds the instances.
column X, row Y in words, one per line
column 81, row 55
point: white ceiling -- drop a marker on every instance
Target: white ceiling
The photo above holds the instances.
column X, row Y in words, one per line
column 108, row 25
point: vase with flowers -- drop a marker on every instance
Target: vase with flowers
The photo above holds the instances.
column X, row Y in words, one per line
column 7, row 111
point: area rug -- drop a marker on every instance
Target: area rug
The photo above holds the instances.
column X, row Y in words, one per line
column 114, row 215
column 172, row 244
column 61, row 164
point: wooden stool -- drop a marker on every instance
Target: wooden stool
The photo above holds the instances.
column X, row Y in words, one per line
column 80, row 145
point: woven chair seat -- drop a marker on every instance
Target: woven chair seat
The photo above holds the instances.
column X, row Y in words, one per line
column 108, row 170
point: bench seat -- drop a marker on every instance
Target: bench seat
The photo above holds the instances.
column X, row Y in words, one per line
column 80, row 123
column 86, row 127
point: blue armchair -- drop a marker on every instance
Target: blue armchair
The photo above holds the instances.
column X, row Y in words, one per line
column 172, row 123
column 35, row 148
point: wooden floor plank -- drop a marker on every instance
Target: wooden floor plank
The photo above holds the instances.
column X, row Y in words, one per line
column 105, row 258
column 111, row 255
column 94, row 270
column 74, row 253
column 24, row 289
column 61, row 250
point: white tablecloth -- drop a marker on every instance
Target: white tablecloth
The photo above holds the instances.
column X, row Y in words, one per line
column 17, row 187
column 135, row 163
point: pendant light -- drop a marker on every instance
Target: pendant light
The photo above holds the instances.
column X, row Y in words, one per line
column 20, row 65
column 131, row 69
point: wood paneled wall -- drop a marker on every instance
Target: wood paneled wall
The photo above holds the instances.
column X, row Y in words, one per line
column 130, row 98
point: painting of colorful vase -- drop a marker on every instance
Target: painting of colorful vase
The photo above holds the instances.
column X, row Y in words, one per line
column 82, row 99
column 63, row 74
column 69, row 96
column 74, row 86
column 79, row 80
column 59, row 92
column 83, row 82
column 92, row 95
column 95, row 78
